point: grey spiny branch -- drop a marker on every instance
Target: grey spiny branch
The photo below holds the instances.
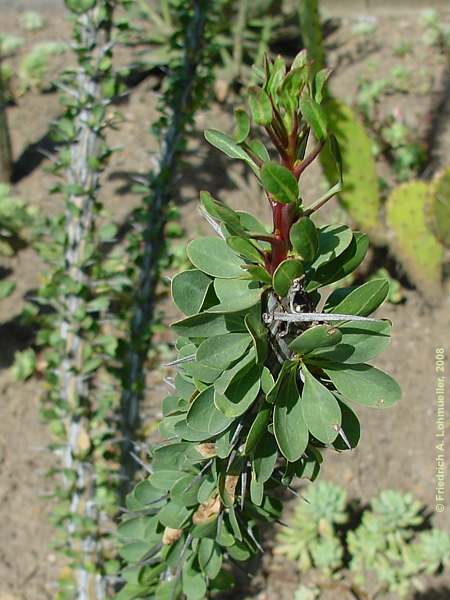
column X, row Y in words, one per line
column 76, row 388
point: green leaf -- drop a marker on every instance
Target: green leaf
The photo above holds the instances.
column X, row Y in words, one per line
column 364, row 384
column 6, row 288
column 256, row 492
column 219, row 211
column 279, row 182
column 185, row 490
column 208, row 324
column 343, row 265
column 258, row 273
column 214, row 564
column 289, row 424
column 146, row 493
column 259, row 149
column 267, row 380
column 319, row 84
column 221, row 350
column 300, row 60
column 320, row 409
column 229, row 147
column 189, row 290
column 315, row 337
column 305, row 239
column 276, row 75
column 258, row 333
column 134, row 551
column 315, row 117
column 166, row 590
column 204, row 416
column 365, row 299
column 194, row 585
column 133, row 529
column 24, row 364
column 350, row 426
column 80, row 6
column 200, row 372
column 250, row 223
column 240, row 394
column 258, row 428
column 361, row 341
column 236, row 372
column 223, row 441
column 205, row 549
column 227, row 289
column 236, row 295
column 163, row 480
column 213, row 256
column 260, row 106
column 246, row 249
column 265, row 457
column 242, row 127
column 333, row 241
column 173, row 515
column 291, row 88
column 285, row 274
column 272, row 394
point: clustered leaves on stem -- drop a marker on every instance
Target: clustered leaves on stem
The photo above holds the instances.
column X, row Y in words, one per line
column 264, row 382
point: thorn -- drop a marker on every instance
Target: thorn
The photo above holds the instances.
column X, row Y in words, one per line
column 179, row 361
column 243, row 488
column 212, row 222
column 343, row 436
column 291, row 489
column 141, row 463
column 230, row 460
column 168, row 381
column 280, row 522
column 257, row 544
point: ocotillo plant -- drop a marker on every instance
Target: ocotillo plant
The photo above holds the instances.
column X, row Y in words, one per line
column 79, row 290
column 6, row 157
column 185, row 91
column 265, row 378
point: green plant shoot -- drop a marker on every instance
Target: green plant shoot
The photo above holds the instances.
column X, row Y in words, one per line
column 265, row 378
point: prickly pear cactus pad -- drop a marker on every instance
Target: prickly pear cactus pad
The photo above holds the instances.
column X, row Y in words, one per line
column 439, row 207
column 413, row 243
column 266, row 380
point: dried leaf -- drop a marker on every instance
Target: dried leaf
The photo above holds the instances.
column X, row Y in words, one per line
column 171, row 535
column 206, row 511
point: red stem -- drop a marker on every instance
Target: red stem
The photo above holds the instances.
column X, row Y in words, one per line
column 283, row 217
column 300, row 167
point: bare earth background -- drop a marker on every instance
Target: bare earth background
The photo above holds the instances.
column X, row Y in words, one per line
column 398, row 445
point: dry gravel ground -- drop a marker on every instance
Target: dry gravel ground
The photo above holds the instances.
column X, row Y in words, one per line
column 398, row 445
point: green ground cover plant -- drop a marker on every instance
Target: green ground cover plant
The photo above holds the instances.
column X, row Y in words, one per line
column 391, row 542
